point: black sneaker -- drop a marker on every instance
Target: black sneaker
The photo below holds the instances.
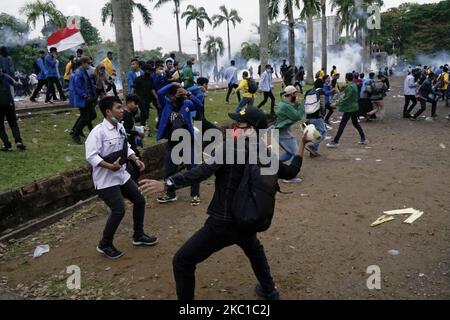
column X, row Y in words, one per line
column 167, row 199
column 76, row 139
column 145, row 240
column 109, row 251
column 21, row 146
column 274, row 295
column 6, row 149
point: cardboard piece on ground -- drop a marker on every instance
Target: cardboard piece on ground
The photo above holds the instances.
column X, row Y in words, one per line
column 414, row 217
column 401, row 211
column 381, row 220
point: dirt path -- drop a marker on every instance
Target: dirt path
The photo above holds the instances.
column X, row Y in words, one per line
column 319, row 246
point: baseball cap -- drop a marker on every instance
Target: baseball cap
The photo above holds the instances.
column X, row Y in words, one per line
column 251, row 115
column 289, row 90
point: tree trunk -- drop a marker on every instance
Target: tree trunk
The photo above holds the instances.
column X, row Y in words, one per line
column 264, row 31
column 124, row 33
column 177, row 14
column 291, row 40
column 309, row 50
column 45, row 23
column 324, row 35
column 229, row 40
column 199, row 52
column 216, row 59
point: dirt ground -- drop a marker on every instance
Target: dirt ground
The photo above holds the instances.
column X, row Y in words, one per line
column 319, row 246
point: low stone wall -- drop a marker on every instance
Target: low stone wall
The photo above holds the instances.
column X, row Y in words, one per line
column 48, row 196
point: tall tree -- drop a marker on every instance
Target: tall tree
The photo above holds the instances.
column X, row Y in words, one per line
column 264, row 31
column 124, row 35
column 46, row 10
column 214, row 47
column 89, row 32
column 311, row 8
column 199, row 15
column 176, row 11
column 227, row 16
column 323, row 7
column 288, row 12
column 107, row 12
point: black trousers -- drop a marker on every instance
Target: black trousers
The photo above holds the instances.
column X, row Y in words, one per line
column 9, row 112
column 268, row 95
column 51, row 82
column 214, row 236
column 230, row 89
column 114, row 199
column 87, row 115
column 423, row 107
column 144, row 107
column 406, row 108
column 113, row 87
column 329, row 113
column 40, row 85
column 347, row 116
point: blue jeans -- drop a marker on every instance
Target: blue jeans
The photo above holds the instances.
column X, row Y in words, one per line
column 290, row 146
column 320, row 125
column 170, row 169
column 245, row 102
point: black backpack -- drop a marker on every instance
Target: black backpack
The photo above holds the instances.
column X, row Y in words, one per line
column 254, row 201
column 252, row 86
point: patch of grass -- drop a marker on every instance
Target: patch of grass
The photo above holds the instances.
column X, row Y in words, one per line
column 50, row 150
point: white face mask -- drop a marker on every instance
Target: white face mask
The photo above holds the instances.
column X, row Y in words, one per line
column 115, row 121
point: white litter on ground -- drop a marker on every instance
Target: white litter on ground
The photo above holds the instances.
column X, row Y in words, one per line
column 442, row 146
column 40, row 250
column 394, row 252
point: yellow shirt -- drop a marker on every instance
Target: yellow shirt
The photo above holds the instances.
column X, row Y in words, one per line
column 321, row 74
column 244, row 85
column 445, row 79
column 68, row 71
column 333, row 73
column 109, row 66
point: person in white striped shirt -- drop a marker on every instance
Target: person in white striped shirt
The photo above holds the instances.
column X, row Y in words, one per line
column 266, row 86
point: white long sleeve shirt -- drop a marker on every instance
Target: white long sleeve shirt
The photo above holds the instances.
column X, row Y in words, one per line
column 102, row 141
column 231, row 74
column 410, row 86
column 265, row 83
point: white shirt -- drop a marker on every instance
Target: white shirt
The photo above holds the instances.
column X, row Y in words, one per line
column 102, row 141
column 410, row 86
column 231, row 75
column 265, row 84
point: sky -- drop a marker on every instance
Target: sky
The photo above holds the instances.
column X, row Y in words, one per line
column 163, row 31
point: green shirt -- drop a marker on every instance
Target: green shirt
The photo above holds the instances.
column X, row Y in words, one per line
column 349, row 103
column 288, row 114
column 187, row 76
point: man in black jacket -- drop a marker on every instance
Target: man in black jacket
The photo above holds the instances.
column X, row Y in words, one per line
column 220, row 229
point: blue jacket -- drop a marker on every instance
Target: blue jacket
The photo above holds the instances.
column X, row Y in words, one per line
column 43, row 72
column 159, row 81
column 189, row 105
column 6, row 82
column 200, row 95
column 328, row 91
column 80, row 89
column 7, row 65
column 51, row 66
column 131, row 78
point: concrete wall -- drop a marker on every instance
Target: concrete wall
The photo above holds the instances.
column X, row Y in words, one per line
column 43, row 198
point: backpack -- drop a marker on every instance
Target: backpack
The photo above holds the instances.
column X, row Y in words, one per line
column 252, row 86
column 378, row 87
column 312, row 101
column 253, row 205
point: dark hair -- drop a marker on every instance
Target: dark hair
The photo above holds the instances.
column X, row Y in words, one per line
column 107, row 103
column 109, row 52
column 134, row 60
column 334, row 67
column 245, row 74
column 85, row 59
column 172, row 90
column 349, row 77
column 268, row 66
column 147, row 67
column 80, row 51
column 372, row 75
column 41, row 51
column 132, row 98
column 202, row 81
column 53, row 49
column 325, row 77
column 71, row 57
column 445, row 69
column 356, row 76
column 233, row 62
column 362, row 75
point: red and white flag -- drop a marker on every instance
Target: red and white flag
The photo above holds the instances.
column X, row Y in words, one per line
column 66, row 38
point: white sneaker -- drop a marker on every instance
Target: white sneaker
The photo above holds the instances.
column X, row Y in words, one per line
column 295, row 180
column 364, row 142
column 332, row 145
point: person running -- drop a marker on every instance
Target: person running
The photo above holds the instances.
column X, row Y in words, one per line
column 290, row 111
column 51, row 65
column 231, row 76
column 266, row 86
column 426, row 95
column 68, row 70
column 108, row 152
column 220, row 230
column 349, row 106
column 443, row 86
column 177, row 105
column 300, row 79
column 8, row 112
column 41, row 76
column 410, row 88
column 377, row 93
column 248, row 98
column 334, row 97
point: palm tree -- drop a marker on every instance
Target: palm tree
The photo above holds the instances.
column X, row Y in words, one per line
column 264, row 31
column 288, row 11
column 214, row 47
column 46, row 10
column 345, row 12
column 310, row 9
column 159, row 3
column 107, row 12
column 227, row 16
column 198, row 15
